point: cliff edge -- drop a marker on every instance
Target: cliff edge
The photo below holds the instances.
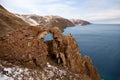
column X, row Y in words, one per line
column 25, row 51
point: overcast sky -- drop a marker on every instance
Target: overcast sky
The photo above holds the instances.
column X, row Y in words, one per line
column 95, row 11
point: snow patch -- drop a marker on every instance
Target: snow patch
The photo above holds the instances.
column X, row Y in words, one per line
column 13, row 73
column 16, row 72
column 53, row 71
column 32, row 22
column 27, row 19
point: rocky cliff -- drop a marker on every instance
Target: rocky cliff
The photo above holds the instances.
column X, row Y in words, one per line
column 24, row 54
column 9, row 21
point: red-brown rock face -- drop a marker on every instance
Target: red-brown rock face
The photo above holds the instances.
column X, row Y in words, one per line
column 26, row 47
column 22, row 47
column 66, row 51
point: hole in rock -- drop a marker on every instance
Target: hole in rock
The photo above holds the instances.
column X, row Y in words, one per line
column 48, row 37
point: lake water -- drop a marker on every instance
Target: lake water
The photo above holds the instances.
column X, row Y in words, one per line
column 102, row 43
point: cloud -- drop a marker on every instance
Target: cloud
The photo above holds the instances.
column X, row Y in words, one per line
column 91, row 10
column 37, row 6
column 19, row 5
column 107, row 15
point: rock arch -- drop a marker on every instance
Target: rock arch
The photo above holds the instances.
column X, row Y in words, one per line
column 25, row 47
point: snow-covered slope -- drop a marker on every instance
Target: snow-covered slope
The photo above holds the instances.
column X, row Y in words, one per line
column 79, row 22
column 28, row 19
column 47, row 21
column 19, row 73
column 35, row 20
column 49, row 72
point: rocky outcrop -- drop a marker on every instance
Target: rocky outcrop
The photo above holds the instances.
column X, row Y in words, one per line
column 21, row 47
column 60, row 57
column 9, row 21
column 79, row 22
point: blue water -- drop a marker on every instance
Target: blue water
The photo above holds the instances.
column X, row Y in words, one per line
column 102, row 43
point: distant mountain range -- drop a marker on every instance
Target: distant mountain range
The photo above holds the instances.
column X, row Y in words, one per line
column 51, row 20
column 10, row 21
column 47, row 21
